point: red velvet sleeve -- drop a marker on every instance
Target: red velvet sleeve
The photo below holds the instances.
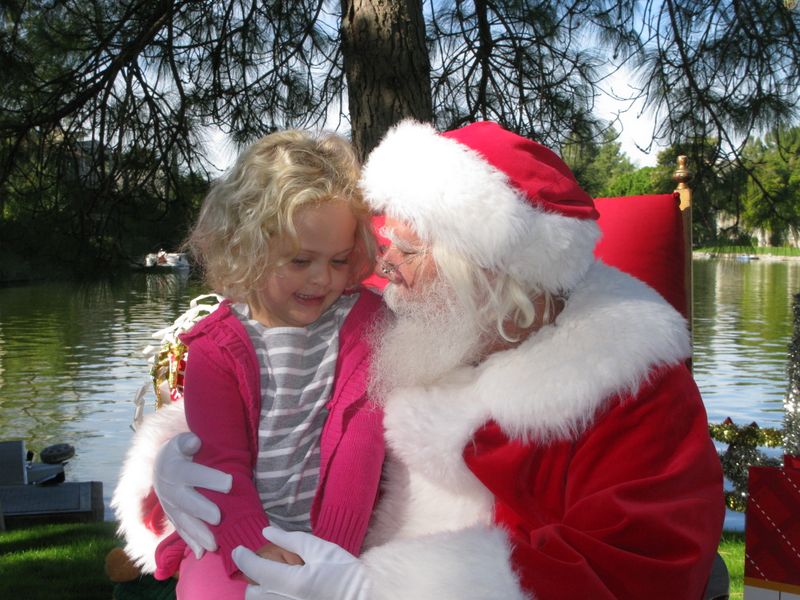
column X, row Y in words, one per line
column 632, row 509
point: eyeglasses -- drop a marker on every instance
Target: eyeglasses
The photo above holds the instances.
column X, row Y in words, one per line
column 408, row 251
column 388, row 268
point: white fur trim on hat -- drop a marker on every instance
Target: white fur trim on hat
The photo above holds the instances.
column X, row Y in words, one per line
column 452, row 196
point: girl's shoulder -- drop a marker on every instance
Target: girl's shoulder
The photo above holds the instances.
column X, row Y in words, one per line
column 365, row 310
column 221, row 322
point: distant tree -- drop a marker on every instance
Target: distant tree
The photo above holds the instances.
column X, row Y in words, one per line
column 717, row 183
column 595, row 164
column 772, row 197
column 634, row 183
column 720, row 72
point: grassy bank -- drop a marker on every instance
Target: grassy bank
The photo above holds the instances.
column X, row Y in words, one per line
column 781, row 251
column 67, row 562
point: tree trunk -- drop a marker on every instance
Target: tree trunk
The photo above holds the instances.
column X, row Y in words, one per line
column 386, row 65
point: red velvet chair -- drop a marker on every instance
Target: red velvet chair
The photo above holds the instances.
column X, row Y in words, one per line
column 643, row 236
column 650, row 237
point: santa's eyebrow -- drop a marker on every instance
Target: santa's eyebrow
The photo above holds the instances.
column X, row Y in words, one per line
column 387, row 232
column 401, row 245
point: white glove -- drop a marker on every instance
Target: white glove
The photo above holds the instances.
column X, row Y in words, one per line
column 329, row 572
column 174, row 479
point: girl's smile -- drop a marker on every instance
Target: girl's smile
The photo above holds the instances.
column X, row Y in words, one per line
column 309, row 300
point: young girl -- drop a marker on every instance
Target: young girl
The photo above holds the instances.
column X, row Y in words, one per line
column 275, row 377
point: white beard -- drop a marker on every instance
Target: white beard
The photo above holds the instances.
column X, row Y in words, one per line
column 431, row 334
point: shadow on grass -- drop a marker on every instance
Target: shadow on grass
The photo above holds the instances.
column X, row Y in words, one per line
column 731, row 548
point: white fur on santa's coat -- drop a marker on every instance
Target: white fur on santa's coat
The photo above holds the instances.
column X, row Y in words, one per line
column 136, row 481
column 445, row 566
column 452, row 196
column 613, row 331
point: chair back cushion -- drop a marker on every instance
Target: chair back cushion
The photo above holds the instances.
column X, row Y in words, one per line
column 643, row 236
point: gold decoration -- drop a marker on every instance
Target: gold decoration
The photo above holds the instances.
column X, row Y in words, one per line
column 752, row 434
column 166, row 359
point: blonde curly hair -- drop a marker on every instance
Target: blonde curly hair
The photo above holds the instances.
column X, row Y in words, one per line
column 256, row 201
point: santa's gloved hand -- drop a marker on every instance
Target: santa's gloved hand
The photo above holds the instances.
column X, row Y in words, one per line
column 329, row 571
column 174, row 480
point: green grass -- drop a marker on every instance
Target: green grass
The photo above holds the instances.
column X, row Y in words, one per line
column 731, row 548
column 764, row 251
column 67, row 561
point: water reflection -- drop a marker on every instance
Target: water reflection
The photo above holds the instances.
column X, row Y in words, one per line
column 71, row 362
column 742, row 327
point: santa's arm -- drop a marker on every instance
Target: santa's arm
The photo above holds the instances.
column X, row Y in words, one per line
column 157, row 493
column 642, row 505
column 142, row 522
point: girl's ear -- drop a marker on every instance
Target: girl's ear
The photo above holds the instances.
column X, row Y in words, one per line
column 362, row 263
column 361, row 266
column 353, row 281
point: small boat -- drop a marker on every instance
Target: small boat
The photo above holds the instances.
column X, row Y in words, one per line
column 168, row 260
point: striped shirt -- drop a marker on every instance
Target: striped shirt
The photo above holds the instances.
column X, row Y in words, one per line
column 297, row 367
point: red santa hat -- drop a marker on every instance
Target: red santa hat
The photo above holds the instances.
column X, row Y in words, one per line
column 506, row 203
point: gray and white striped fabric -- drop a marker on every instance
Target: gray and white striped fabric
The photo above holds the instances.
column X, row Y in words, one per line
column 297, row 370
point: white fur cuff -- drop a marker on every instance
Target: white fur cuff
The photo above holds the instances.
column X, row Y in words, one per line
column 136, row 482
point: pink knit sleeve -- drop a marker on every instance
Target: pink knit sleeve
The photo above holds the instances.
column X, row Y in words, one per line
column 217, row 412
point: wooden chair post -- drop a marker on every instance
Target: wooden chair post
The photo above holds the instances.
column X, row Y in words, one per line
column 682, row 176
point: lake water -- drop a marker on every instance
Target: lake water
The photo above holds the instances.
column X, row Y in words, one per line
column 71, row 361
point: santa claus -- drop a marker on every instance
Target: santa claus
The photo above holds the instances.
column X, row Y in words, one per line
column 545, row 438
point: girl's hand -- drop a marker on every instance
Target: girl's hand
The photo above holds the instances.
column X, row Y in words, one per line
column 329, row 571
column 276, row 553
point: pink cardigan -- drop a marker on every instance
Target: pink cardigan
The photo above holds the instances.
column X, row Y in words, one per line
column 222, row 404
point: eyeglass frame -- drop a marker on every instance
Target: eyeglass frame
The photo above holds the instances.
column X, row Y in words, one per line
column 389, row 268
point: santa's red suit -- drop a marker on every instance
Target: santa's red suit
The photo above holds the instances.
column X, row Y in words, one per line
column 577, row 465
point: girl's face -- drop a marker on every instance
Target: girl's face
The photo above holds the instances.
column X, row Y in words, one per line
column 296, row 293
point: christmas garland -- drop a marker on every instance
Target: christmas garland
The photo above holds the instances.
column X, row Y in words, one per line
column 742, row 453
column 729, row 432
column 168, row 359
